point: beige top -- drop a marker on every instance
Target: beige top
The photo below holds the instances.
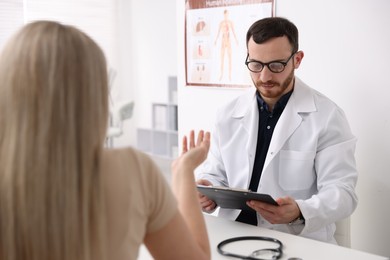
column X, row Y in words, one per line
column 139, row 201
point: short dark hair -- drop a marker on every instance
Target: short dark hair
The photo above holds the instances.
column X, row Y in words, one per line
column 271, row 27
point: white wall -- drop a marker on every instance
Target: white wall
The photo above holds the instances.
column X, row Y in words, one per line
column 346, row 45
column 347, row 53
column 148, row 56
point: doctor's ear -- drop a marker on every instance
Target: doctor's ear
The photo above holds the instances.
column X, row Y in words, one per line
column 298, row 59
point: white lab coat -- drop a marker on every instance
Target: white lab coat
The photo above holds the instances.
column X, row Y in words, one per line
column 310, row 158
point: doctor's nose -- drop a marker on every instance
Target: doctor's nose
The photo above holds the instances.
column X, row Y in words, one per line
column 265, row 75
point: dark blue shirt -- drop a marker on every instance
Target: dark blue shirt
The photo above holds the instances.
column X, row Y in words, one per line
column 267, row 123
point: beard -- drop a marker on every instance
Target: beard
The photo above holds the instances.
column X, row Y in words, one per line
column 274, row 89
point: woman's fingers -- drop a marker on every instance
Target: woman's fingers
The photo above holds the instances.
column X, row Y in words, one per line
column 207, row 137
column 192, row 139
column 185, row 147
column 200, row 138
column 190, row 143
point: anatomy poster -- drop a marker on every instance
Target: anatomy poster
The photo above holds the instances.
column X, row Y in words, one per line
column 215, row 41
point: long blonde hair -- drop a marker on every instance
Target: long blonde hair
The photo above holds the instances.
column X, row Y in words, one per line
column 53, row 118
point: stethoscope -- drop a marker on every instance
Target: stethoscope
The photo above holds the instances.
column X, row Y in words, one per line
column 273, row 253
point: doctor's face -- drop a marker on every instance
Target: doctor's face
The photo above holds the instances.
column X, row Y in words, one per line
column 272, row 85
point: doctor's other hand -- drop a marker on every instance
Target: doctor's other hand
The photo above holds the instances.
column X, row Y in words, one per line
column 206, row 204
column 286, row 211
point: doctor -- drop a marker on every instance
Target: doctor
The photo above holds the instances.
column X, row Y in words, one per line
column 285, row 139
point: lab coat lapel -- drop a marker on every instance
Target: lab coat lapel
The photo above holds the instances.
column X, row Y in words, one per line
column 288, row 122
column 301, row 101
column 248, row 113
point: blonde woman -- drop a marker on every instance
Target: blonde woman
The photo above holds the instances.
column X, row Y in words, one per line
column 62, row 194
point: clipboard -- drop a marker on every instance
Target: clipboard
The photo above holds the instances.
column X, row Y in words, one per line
column 231, row 198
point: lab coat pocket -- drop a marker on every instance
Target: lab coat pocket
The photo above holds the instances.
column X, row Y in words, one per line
column 296, row 169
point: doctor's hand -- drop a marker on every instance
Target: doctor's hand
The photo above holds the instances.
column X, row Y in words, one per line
column 286, row 212
column 206, row 204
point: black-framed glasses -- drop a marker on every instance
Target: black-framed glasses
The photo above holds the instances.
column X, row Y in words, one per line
column 273, row 66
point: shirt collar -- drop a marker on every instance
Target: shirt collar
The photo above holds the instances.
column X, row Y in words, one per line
column 280, row 104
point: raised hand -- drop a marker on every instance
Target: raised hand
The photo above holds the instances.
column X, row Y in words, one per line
column 193, row 152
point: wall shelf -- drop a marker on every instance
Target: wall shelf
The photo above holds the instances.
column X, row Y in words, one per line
column 162, row 139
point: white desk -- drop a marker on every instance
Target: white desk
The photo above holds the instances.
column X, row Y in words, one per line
column 220, row 229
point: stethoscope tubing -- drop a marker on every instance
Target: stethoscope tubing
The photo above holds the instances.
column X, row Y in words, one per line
column 278, row 250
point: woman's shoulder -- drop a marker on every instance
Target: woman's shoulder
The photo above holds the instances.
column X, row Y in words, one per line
column 128, row 160
column 126, row 155
column 127, row 169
